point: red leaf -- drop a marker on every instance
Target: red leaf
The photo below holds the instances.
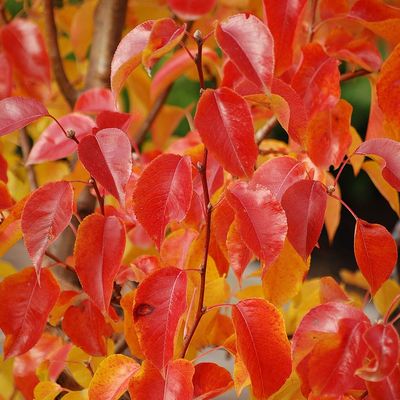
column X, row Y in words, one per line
column 159, row 303
column 282, row 18
column 163, row 194
column 297, row 118
column 113, row 119
column 149, row 383
column 210, row 380
column 25, row 307
column 192, row 9
column 107, row 157
column 230, row 137
column 238, row 253
column 383, row 342
column 260, row 219
column 388, row 388
column 317, row 70
column 112, row 377
column 53, row 144
column 262, row 344
column 17, row 112
column 5, row 77
column 46, row 214
column 165, row 35
column 6, row 201
column 3, row 169
column 375, row 251
column 249, row 45
column 129, row 54
column 95, row 100
column 99, row 248
column 22, row 41
column 87, row 328
column 389, row 150
column 328, row 135
column 304, row 204
column 322, row 319
column 278, row 174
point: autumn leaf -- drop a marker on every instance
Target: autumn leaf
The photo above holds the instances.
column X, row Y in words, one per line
column 375, row 251
column 95, row 100
column 249, row 44
column 166, row 184
column 260, row 219
column 17, row 112
column 107, row 157
column 25, row 308
column 160, row 301
column 111, row 379
column 46, row 214
column 262, row 345
column 190, row 10
column 99, row 247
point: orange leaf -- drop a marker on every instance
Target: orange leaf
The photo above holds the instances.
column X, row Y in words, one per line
column 262, row 345
column 25, row 307
column 148, row 383
column 112, row 376
column 375, row 251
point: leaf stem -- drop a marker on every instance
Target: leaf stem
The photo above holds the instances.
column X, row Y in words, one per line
column 351, row 75
column 202, row 168
column 344, row 163
column 391, row 309
column 100, row 198
column 344, row 204
column 58, row 260
column 68, row 134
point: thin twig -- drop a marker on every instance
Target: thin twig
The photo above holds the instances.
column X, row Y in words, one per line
column 26, row 148
column 58, row 260
column 100, row 198
column 65, row 86
column 202, row 168
column 351, row 75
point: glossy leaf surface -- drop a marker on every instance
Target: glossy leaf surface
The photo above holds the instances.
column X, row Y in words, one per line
column 231, row 136
column 87, row 328
column 389, row 150
column 260, row 220
column 249, row 45
column 53, row 144
column 304, row 204
column 375, row 251
column 107, row 157
column 262, row 345
column 46, row 214
column 17, row 112
column 112, row 377
column 166, row 184
column 99, row 247
column 95, row 100
column 25, row 308
column 191, row 9
column 159, row 303
column 282, row 18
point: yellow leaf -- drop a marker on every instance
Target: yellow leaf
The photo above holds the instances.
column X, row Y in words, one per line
column 6, row 377
column 291, row 390
column 81, row 395
column 373, row 170
column 250, row 292
column 354, row 278
column 241, row 377
column 82, row 28
column 283, row 278
column 51, row 171
column 384, row 296
column 6, row 269
column 357, row 159
column 127, row 304
column 333, row 210
column 47, row 390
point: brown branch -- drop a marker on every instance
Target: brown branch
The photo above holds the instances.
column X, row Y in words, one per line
column 351, row 75
column 24, row 141
column 109, row 21
column 66, row 88
column 202, row 168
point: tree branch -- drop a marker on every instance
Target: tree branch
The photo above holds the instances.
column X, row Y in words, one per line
column 66, row 88
column 109, row 21
column 24, row 141
column 351, row 75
